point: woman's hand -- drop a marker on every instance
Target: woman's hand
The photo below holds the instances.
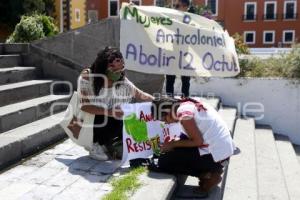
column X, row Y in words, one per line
column 141, row 96
column 167, row 146
column 194, row 134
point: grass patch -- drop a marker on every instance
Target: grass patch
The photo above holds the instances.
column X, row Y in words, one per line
column 125, row 185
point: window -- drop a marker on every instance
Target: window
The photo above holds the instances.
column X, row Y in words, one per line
column 213, row 5
column 92, row 16
column 269, row 37
column 249, row 37
column 160, row 3
column 113, row 8
column 289, row 10
column 77, row 15
column 288, row 36
column 250, row 11
column 270, row 10
column 136, row 2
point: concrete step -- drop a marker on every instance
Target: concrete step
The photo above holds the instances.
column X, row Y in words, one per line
column 187, row 185
column 155, row 186
column 271, row 182
column 241, row 179
column 229, row 115
column 25, row 140
column 10, row 60
column 17, row 74
column 18, row 114
column 14, row 48
column 17, row 92
column 290, row 166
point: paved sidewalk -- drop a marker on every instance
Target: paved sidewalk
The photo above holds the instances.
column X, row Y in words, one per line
column 63, row 172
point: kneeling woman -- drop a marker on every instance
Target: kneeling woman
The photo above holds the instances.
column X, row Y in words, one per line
column 102, row 88
column 204, row 151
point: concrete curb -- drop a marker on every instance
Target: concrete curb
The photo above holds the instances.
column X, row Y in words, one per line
column 10, row 60
column 156, row 186
column 290, row 166
column 236, row 189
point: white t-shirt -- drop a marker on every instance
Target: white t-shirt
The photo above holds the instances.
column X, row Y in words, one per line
column 107, row 97
column 213, row 128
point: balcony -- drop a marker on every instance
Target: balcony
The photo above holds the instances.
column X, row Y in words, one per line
column 249, row 17
column 270, row 17
column 290, row 16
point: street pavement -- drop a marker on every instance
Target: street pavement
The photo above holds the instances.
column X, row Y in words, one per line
column 62, row 172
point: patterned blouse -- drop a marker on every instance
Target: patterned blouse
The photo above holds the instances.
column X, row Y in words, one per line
column 122, row 92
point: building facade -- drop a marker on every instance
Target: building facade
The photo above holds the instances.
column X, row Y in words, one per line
column 262, row 23
column 110, row 8
column 70, row 14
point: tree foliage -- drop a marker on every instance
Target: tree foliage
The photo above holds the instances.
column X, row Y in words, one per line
column 32, row 28
column 240, row 46
column 203, row 11
column 287, row 65
column 34, row 6
column 12, row 10
column 293, row 62
column 39, row 6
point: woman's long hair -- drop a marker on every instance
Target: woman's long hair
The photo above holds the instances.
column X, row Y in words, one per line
column 100, row 65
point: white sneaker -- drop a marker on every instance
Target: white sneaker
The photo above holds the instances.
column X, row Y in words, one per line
column 97, row 152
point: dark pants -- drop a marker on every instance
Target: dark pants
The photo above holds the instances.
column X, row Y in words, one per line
column 187, row 161
column 185, row 80
column 109, row 132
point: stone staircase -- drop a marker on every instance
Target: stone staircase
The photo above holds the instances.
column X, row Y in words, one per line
column 28, row 121
column 265, row 167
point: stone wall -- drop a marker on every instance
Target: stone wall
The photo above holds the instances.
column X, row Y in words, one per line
column 271, row 101
column 82, row 45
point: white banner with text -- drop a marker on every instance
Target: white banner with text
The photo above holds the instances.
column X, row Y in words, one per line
column 142, row 135
column 160, row 40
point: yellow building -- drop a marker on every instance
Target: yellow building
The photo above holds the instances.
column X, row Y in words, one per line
column 70, row 14
column 57, row 14
column 78, row 13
